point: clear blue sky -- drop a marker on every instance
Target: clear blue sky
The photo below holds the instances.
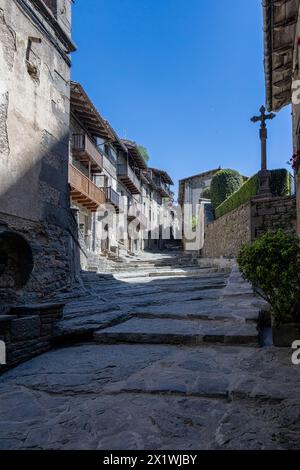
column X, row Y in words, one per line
column 182, row 78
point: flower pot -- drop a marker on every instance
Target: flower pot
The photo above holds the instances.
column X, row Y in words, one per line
column 285, row 334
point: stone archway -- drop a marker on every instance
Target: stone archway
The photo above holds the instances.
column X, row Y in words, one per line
column 16, row 261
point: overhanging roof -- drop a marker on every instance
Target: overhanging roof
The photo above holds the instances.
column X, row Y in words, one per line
column 204, row 174
column 280, row 21
column 163, row 174
column 135, row 153
column 85, row 111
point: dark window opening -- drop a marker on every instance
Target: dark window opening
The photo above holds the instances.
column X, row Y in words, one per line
column 16, row 261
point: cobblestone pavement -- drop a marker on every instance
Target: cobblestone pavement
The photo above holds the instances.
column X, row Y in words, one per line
column 167, row 355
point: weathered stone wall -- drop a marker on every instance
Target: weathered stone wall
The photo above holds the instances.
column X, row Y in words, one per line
column 225, row 236
column 55, row 257
column 272, row 214
column 34, row 102
column 28, row 331
column 34, row 138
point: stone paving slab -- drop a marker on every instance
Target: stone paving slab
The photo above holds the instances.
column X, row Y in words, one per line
column 137, row 422
column 207, row 395
column 159, row 331
column 162, row 298
column 76, row 398
column 168, row 285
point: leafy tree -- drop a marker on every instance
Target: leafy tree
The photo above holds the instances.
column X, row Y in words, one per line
column 144, row 152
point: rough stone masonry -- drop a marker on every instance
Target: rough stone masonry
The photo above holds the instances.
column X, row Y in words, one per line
column 225, row 236
column 34, row 142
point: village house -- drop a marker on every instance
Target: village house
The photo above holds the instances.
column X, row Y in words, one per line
column 109, row 177
column 191, row 188
column 191, row 194
column 282, row 74
column 37, row 233
column 160, row 183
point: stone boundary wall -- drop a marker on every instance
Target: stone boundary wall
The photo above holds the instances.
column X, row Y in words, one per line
column 271, row 214
column 27, row 331
column 225, row 236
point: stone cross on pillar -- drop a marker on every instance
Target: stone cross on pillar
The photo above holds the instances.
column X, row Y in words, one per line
column 264, row 187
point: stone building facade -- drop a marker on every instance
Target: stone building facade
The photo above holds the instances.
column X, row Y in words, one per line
column 282, row 70
column 191, row 201
column 37, row 232
column 191, row 188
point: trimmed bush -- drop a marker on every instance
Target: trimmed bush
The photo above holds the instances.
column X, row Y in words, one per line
column 206, row 193
column 272, row 265
column 242, row 195
column 280, row 182
column 223, row 184
column 280, row 185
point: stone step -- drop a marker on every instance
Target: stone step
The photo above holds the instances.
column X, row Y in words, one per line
column 127, row 290
column 154, row 267
column 171, row 273
column 77, row 326
column 205, row 310
column 184, row 332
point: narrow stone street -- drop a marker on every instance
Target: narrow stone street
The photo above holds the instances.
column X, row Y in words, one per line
column 162, row 352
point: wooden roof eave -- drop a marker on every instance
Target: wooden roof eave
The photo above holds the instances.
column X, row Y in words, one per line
column 135, row 154
column 280, row 22
column 164, row 175
column 83, row 108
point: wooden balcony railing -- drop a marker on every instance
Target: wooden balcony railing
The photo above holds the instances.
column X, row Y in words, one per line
column 129, row 178
column 163, row 189
column 135, row 213
column 84, row 149
column 84, row 191
column 113, row 198
column 142, row 219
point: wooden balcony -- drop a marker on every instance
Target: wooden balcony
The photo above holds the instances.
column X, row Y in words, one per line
column 162, row 188
column 129, row 179
column 84, row 191
column 85, row 151
column 134, row 213
column 113, row 198
column 142, row 220
column 149, row 179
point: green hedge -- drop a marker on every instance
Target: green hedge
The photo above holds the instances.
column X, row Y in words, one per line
column 280, row 185
column 206, row 193
column 280, row 182
column 242, row 195
column 223, row 184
